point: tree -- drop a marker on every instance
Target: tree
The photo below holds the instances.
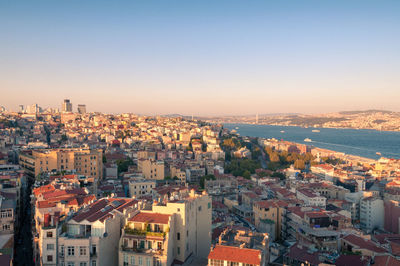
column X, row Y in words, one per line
column 246, row 174
column 299, row 164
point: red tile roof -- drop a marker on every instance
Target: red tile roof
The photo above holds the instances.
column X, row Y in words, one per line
column 151, row 218
column 363, row 244
column 352, row 260
column 386, row 260
column 300, row 253
column 236, row 254
column 101, row 209
column 273, row 203
column 45, row 204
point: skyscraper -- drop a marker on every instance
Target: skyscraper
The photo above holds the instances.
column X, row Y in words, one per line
column 66, row 106
column 81, row 108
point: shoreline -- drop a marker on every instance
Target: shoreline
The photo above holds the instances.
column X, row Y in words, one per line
column 311, row 127
column 368, row 154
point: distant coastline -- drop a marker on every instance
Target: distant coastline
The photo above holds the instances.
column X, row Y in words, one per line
column 358, row 142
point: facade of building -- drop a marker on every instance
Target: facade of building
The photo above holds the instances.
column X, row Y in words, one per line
column 269, row 217
column 81, row 109
column 66, row 106
column 141, row 187
column 87, row 162
column 310, row 198
column 147, row 239
column 151, row 169
column 372, row 213
column 89, row 238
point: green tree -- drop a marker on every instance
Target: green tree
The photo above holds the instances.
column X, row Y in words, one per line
column 246, row 174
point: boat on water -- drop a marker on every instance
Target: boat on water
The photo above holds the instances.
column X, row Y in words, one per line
column 315, row 130
column 307, row 140
column 282, row 131
column 236, row 127
column 378, row 153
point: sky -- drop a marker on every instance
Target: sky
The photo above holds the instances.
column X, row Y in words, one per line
column 208, row 57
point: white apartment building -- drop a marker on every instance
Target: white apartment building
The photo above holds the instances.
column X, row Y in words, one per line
column 371, row 214
column 89, row 238
column 311, row 198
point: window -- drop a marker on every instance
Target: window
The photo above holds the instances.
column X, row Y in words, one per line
column 147, row 261
column 140, row 260
column 50, row 246
column 199, row 208
column 82, row 264
column 178, row 236
column 179, row 250
column 94, row 249
column 126, row 259
column 62, row 251
column 133, row 260
column 49, row 258
column 6, row 213
column 71, row 251
column 209, row 205
column 82, row 251
column 71, row 263
column 6, row 227
column 93, row 263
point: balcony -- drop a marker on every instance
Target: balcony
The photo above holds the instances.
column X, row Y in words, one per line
column 145, row 233
column 142, row 250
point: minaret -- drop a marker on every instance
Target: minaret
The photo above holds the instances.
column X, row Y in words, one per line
column 256, row 118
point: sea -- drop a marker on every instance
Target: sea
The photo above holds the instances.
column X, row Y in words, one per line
column 361, row 142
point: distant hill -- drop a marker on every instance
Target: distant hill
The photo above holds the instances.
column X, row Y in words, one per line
column 372, row 111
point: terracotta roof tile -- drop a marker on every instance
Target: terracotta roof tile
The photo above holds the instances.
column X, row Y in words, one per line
column 236, row 254
column 151, row 218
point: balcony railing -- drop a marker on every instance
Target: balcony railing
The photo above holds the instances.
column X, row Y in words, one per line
column 138, row 232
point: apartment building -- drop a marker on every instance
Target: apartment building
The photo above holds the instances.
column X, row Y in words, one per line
column 311, row 198
column 269, row 216
column 151, row 169
column 141, row 187
column 88, row 162
column 147, row 239
column 372, row 214
column 7, row 215
column 89, row 238
column 173, row 230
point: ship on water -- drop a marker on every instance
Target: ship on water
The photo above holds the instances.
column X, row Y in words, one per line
column 307, row 140
column 315, row 130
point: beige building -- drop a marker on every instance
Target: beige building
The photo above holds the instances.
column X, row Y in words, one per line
column 140, row 187
column 171, row 231
column 151, row 169
column 147, row 240
column 84, row 161
column 175, row 171
column 269, row 215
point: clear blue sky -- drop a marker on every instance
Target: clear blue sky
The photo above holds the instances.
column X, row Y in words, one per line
column 201, row 57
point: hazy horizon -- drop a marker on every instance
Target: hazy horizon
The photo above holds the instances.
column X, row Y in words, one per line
column 201, row 58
